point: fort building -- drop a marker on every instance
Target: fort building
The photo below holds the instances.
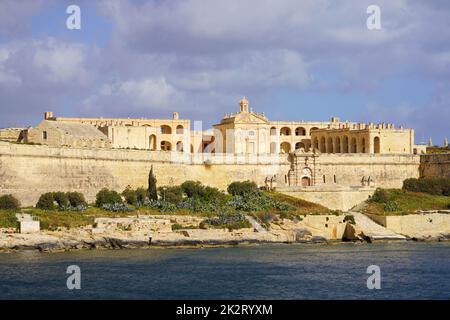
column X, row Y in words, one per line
column 335, row 163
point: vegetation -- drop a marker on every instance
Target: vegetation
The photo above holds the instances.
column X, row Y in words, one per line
column 152, row 190
column 76, row 199
column 436, row 149
column 350, row 218
column 230, row 221
column 106, row 196
column 220, row 210
column 399, row 202
column 241, row 188
column 8, row 202
column 46, row 201
column 436, row 186
column 8, row 219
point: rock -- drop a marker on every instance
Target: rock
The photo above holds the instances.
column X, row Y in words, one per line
column 318, row 239
column 302, row 234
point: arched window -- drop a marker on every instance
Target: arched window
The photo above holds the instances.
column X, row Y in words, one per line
column 376, row 145
column 273, row 147
column 285, row 131
column 330, row 145
column 285, row 147
column 180, row 129
column 152, row 142
column 300, row 131
column 316, row 144
column 166, row 146
column 180, row 146
column 273, row 131
column 345, row 145
column 322, row 146
column 337, row 145
column 353, row 146
column 165, row 129
column 300, row 145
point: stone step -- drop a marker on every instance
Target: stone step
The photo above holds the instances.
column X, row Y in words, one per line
column 373, row 230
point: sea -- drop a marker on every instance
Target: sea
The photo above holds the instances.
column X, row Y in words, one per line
column 390, row 270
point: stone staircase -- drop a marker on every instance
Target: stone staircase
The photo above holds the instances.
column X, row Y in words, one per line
column 255, row 224
column 373, row 230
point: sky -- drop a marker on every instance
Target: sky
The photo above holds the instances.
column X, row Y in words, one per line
column 294, row 60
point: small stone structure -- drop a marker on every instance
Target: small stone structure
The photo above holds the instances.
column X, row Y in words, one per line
column 28, row 223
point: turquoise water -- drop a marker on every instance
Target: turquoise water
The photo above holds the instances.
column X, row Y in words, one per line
column 299, row 271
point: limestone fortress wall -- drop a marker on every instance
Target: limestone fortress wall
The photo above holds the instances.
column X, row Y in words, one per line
column 27, row 171
column 435, row 165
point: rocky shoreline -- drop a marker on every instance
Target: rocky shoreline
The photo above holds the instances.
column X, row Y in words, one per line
column 157, row 232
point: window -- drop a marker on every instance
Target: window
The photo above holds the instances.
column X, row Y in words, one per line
column 251, row 133
column 44, row 135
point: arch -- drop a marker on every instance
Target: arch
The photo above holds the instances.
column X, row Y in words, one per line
column 306, row 181
column 285, row 131
column 337, row 145
column 165, row 129
column 273, row 147
column 376, row 145
column 285, row 147
column 312, row 129
column 273, row 131
column 180, row 146
column 166, row 146
column 345, row 144
column 322, row 146
column 180, row 129
column 315, row 144
column 353, row 146
column 152, row 142
column 192, row 148
column 330, row 145
column 415, row 151
column 299, row 145
column 300, row 131
column 363, row 145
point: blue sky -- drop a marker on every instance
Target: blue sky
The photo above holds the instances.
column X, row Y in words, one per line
column 294, row 60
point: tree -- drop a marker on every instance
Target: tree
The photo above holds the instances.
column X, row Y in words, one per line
column 152, row 192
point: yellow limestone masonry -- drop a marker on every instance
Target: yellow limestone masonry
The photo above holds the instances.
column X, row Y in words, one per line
column 27, row 171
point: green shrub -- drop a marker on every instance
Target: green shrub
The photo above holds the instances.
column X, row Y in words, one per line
column 240, row 188
column 435, row 186
column 349, row 218
column 192, row 188
column 141, row 195
column 130, row 196
column 61, row 199
column 391, row 206
column 230, row 221
column 46, row 201
column 152, row 190
column 76, row 199
column 106, row 196
column 380, row 196
column 171, row 194
column 176, row 226
column 9, row 202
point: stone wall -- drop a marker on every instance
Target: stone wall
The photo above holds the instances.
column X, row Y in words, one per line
column 337, row 198
column 435, row 166
column 27, row 171
column 415, row 225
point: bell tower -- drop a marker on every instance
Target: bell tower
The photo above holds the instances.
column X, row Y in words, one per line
column 243, row 103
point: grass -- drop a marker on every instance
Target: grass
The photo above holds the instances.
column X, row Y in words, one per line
column 8, row 219
column 54, row 219
column 303, row 207
column 408, row 203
